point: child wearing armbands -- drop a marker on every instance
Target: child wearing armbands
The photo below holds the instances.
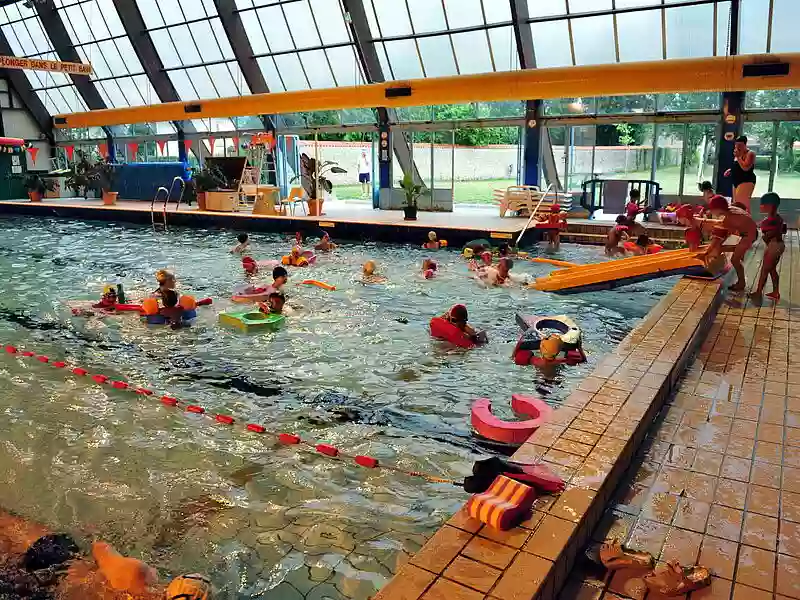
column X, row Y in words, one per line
column 429, row 268
column 773, row 229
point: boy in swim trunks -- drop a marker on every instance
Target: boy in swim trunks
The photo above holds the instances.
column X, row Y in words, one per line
column 244, row 244
column 773, row 228
column 640, row 248
column 734, row 221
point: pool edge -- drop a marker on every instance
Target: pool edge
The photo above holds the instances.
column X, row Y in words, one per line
column 590, row 442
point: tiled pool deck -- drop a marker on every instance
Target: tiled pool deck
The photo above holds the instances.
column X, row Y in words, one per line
column 708, row 482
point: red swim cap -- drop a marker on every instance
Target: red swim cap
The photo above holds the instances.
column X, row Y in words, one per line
column 718, row 202
column 685, row 211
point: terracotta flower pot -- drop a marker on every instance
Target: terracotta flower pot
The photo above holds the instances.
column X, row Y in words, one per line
column 35, row 196
column 201, row 200
column 109, row 198
column 315, row 207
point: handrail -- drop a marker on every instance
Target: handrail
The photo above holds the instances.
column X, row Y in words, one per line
column 533, row 213
column 153, row 207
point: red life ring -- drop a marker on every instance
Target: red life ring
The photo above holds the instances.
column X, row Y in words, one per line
column 444, row 330
column 510, row 432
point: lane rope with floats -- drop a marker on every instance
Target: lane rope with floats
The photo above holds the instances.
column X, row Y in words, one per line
column 284, row 438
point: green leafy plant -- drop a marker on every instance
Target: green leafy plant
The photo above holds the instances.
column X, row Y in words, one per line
column 102, row 174
column 208, row 178
column 312, row 178
column 413, row 191
column 34, row 182
column 79, row 179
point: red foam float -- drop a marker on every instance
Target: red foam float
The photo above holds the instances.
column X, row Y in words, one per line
column 144, row 391
column 289, row 439
column 28, row 353
column 256, row 428
column 193, row 408
column 120, row 385
column 327, row 449
column 59, row 364
column 11, row 349
column 169, row 401
column 444, row 330
column 366, row 461
column 510, row 432
column 43, row 359
column 99, row 378
column 80, row 372
column 225, row 419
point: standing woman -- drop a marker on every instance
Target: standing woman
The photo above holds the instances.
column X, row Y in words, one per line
column 742, row 175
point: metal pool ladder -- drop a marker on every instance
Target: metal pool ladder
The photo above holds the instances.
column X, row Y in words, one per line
column 167, row 193
column 533, row 213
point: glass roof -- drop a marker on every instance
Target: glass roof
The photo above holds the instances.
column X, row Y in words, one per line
column 309, row 44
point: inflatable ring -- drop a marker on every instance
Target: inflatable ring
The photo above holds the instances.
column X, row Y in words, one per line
column 321, row 284
column 188, row 317
column 444, row 330
column 250, row 294
column 534, row 331
column 485, row 424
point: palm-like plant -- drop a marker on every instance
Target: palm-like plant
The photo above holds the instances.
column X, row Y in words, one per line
column 412, row 190
column 313, row 178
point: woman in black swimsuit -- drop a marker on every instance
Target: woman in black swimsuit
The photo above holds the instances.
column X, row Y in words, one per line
column 742, row 175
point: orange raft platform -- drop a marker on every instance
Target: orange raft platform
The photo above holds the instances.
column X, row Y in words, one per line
column 486, row 425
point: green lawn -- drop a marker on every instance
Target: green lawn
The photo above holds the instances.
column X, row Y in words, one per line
column 466, row 192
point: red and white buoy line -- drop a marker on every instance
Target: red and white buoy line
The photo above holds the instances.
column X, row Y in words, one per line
column 286, row 439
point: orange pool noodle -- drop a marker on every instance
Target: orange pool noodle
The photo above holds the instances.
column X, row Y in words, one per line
column 505, row 504
column 150, row 306
column 187, row 302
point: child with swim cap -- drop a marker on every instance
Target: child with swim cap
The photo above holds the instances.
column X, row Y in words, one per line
column 432, row 243
column 166, row 281
column 772, row 228
column 429, row 268
column 244, row 244
column 325, row 243
column 369, row 275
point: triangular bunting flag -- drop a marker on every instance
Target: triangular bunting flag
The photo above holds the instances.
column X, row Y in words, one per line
column 211, row 141
column 33, row 151
column 236, row 144
column 103, row 150
column 162, row 147
column 134, row 148
column 70, row 150
column 187, row 144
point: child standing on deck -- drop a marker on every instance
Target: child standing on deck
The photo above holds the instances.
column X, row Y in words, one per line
column 772, row 228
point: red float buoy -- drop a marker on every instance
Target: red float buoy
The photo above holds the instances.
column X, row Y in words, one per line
column 193, row 408
column 255, row 427
column 99, row 378
column 224, row 419
column 366, row 461
column 59, row 364
column 144, row 391
column 169, row 401
column 42, row 358
column 11, row 349
column 28, row 353
column 327, row 449
column 289, row 439
column 120, row 385
column 79, row 371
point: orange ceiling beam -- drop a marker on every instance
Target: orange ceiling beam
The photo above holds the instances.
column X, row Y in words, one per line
column 716, row 74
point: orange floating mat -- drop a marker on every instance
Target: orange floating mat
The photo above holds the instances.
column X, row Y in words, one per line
column 503, row 505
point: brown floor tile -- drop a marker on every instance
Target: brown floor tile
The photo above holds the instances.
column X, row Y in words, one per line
column 681, row 545
column 707, row 462
column 790, row 506
column 472, row 574
column 760, row 531
column 770, row 433
column 572, row 447
column 551, row 537
column 769, row 452
column 443, row 547
column 444, row 589
column 718, row 555
column 522, row 580
column 744, row 428
column 515, row 538
column 731, row 493
column 573, row 504
column 744, row 592
column 701, row 487
column 724, row 522
column 756, row 567
column 740, row 446
column 763, row 500
column 648, row 536
column 736, row 468
column 692, row 514
column 408, row 584
column 791, row 480
column 583, row 437
column 462, row 520
column 789, row 542
column 489, row 552
column 660, row 507
column 628, row 583
column 530, row 524
column 788, row 581
column 720, row 589
column 766, row 474
column 671, row 479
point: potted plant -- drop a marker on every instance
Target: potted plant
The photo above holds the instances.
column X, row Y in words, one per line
column 313, row 179
column 205, row 180
column 102, row 175
column 36, row 186
column 412, row 191
column 79, row 178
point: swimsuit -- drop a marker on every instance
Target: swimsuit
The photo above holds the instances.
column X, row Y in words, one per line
column 739, row 175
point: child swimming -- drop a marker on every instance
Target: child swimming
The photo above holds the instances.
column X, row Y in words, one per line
column 244, row 244
column 616, row 236
column 171, row 310
column 279, row 278
column 166, row 281
column 432, row 243
column 325, row 243
column 499, row 274
column 641, row 245
column 457, row 316
column 369, row 275
column 274, row 304
column 772, row 228
column 429, row 268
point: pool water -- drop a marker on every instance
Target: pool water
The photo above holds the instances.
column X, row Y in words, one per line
column 355, row 368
